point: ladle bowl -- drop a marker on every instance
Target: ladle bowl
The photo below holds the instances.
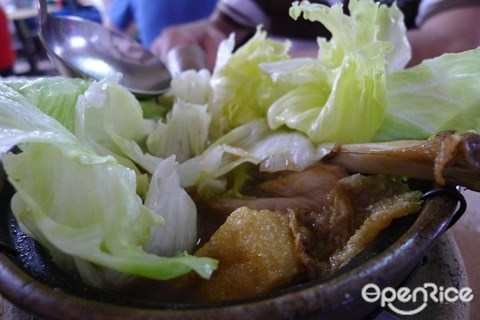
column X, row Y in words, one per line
column 82, row 48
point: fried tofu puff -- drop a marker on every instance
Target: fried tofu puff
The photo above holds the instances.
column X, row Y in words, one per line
column 257, row 252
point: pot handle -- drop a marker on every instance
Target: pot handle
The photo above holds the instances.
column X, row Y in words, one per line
column 453, row 192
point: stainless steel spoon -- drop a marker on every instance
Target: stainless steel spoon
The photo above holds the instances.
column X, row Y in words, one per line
column 81, row 48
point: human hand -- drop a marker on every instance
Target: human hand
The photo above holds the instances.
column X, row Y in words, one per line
column 203, row 33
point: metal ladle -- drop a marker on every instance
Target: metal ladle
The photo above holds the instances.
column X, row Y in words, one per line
column 82, row 48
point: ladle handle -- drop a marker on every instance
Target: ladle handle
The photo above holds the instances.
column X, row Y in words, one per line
column 185, row 58
column 42, row 11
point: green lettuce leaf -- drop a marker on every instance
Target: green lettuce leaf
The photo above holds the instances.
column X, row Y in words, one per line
column 207, row 172
column 185, row 129
column 241, row 91
column 183, row 133
column 79, row 205
column 170, row 201
column 438, row 94
column 56, row 96
column 345, row 98
column 110, row 119
column 274, row 150
column 252, row 143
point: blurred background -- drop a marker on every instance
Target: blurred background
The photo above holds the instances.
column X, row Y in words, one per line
column 21, row 53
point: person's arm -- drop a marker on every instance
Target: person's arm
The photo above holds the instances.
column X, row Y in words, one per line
column 448, row 31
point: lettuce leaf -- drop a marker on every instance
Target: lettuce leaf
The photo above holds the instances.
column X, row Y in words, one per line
column 345, row 98
column 56, row 96
column 102, row 114
column 207, row 171
column 274, row 150
column 185, row 129
column 184, row 132
column 79, row 205
column 438, row 94
column 170, row 201
column 252, row 143
column 110, row 119
column 241, row 91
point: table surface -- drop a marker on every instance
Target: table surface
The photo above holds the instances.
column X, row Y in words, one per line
column 466, row 233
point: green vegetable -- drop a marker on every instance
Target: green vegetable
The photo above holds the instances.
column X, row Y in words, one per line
column 154, row 108
column 110, row 119
column 339, row 97
column 241, row 91
column 439, row 94
column 251, row 143
column 184, row 132
column 207, row 171
column 169, row 200
column 56, row 96
column 185, row 129
column 80, row 205
column 345, row 98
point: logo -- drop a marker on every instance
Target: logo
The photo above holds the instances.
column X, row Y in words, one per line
column 421, row 296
